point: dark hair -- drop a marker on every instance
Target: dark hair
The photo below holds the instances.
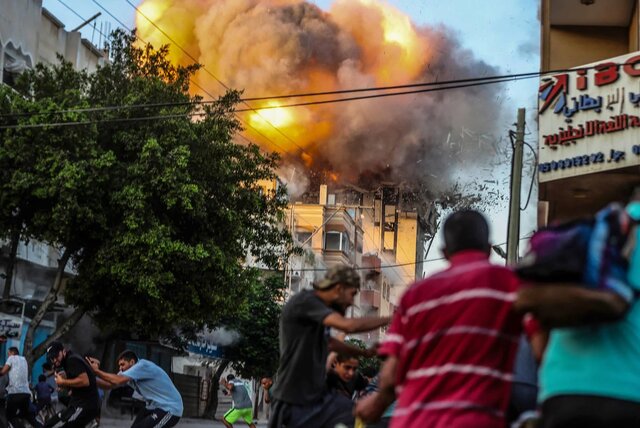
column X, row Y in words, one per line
column 47, row 366
column 343, row 358
column 369, row 371
column 14, row 350
column 42, row 378
column 230, row 377
column 127, row 355
column 466, row 230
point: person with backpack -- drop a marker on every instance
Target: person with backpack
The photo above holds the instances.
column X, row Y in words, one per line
column 590, row 373
column 242, row 405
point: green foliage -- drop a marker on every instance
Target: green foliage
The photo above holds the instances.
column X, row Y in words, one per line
column 373, row 362
column 159, row 214
column 256, row 354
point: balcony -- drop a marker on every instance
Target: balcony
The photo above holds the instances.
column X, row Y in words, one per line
column 370, row 298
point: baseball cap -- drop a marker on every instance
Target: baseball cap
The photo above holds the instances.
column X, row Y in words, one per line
column 340, row 274
column 54, row 349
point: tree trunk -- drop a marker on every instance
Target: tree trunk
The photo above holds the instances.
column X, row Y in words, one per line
column 11, row 263
column 212, row 400
column 49, row 300
column 57, row 334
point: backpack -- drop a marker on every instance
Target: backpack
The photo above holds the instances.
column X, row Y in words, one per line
column 578, row 271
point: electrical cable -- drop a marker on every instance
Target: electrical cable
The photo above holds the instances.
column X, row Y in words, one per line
column 385, row 266
column 533, row 175
column 242, row 110
column 443, row 86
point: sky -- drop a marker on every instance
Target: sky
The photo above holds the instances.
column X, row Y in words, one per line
column 503, row 33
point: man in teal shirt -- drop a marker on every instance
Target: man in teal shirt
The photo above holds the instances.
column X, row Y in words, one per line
column 590, row 376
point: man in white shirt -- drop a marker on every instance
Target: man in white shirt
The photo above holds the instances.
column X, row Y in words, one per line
column 18, row 392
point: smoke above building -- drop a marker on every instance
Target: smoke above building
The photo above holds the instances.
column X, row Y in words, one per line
column 277, row 47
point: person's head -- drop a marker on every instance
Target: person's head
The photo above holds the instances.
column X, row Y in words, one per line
column 339, row 287
column 230, row 377
column 56, row 353
column 42, row 378
column 266, row 382
column 13, row 351
column 369, row 372
column 47, row 367
column 466, row 230
column 126, row 360
column 346, row 367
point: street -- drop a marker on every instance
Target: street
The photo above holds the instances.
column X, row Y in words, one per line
column 192, row 423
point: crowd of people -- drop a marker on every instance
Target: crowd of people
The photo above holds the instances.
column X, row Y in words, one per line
column 70, row 390
column 477, row 344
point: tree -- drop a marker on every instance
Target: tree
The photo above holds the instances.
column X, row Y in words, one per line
column 364, row 362
column 156, row 207
column 256, row 353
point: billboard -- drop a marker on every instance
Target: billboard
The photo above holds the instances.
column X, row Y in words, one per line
column 589, row 119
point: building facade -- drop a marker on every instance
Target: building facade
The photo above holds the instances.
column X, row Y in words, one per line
column 589, row 139
column 30, row 34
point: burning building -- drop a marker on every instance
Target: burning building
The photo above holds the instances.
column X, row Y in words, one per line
column 276, row 47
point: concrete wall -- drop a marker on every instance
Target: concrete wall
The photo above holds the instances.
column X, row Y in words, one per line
column 572, row 46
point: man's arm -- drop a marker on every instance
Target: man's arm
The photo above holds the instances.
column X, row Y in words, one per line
column 103, row 384
column 372, row 407
column 340, row 347
column 5, row 369
column 111, row 379
column 80, row 381
column 354, row 325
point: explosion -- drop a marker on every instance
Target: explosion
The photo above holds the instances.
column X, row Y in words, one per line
column 279, row 47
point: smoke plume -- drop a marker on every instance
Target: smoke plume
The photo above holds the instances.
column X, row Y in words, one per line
column 274, row 47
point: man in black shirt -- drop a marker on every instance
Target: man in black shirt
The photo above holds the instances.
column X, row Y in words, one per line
column 300, row 397
column 80, row 379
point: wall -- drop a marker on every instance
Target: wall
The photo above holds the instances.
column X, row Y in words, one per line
column 572, row 46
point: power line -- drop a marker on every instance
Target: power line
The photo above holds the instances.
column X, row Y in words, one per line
column 453, row 84
column 367, row 97
column 515, row 76
column 385, row 266
column 443, row 86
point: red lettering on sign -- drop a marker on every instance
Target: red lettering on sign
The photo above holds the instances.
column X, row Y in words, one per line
column 630, row 66
column 606, row 73
column 581, row 81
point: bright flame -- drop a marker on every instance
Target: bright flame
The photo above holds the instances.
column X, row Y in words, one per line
column 277, row 116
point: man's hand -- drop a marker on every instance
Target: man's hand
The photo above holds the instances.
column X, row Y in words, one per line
column 60, row 380
column 266, row 384
column 369, row 409
column 94, row 363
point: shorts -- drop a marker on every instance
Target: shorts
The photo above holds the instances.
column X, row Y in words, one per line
column 234, row 414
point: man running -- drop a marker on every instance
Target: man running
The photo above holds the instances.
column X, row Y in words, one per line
column 299, row 396
column 18, row 392
column 242, row 405
column 164, row 403
column 79, row 379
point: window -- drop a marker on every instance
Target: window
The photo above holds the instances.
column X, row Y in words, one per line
column 304, row 238
column 337, row 241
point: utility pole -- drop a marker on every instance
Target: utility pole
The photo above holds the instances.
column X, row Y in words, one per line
column 513, row 232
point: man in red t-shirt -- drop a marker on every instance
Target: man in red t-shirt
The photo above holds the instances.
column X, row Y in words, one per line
column 451, row 347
